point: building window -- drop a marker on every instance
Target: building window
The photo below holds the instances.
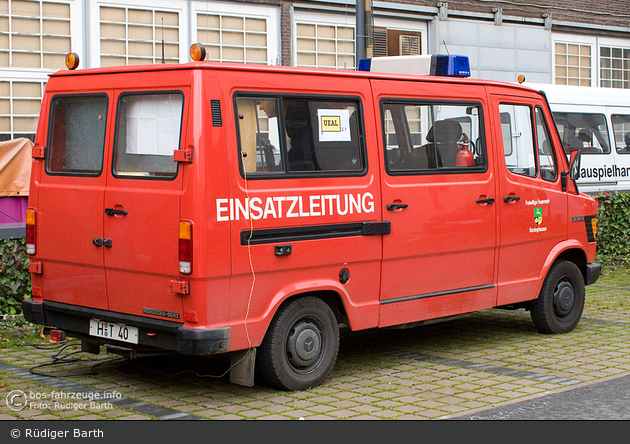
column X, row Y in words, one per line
column 230, row 38
column 19, row 109
column 392, row 42
column 614, row 67
column 34, row 34
column 325, row 45
column 132, row 36
column 573, row 64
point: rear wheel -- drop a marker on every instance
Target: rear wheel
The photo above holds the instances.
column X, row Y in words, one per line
column 559, row 306
column 301, row 345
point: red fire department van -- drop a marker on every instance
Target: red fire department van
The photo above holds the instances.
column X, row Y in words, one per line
column 207, row 208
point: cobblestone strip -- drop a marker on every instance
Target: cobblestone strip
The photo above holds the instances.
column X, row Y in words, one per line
column 486, row 367
column 602, row 321
column 121, row 402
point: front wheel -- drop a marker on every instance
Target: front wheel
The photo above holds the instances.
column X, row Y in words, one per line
column 301, row 345
column 559, row 306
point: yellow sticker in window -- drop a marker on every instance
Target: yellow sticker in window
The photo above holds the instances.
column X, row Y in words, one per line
column 334, row 125
column 330, row 124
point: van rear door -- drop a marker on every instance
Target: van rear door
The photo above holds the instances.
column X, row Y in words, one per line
column 69, row 199
column 142, row 198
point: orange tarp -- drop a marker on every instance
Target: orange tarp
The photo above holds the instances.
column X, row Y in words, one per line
column 15, row 167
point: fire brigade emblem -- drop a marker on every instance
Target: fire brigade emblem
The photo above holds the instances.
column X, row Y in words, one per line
column 538, row 215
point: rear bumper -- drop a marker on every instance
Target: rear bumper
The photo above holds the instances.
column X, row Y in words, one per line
column 592, row 273
column 152, row 333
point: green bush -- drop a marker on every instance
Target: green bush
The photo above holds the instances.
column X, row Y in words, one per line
column 15, row 279
column 613, row 228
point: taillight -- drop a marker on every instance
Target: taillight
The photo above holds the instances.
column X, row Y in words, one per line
column 185, row 247
column 30, row 231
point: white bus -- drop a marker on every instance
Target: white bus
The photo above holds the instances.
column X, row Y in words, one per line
column 595, row 121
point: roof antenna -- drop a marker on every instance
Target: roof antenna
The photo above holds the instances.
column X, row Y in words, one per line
column 446, row 47
column 163, row 40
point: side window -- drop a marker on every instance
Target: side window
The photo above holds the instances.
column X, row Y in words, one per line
column 518, row 139
column 148, row 131
column 259, row 135
column 582, row 131
column 621, row 131
column 546, row 156
column 76, row 135
column 295, row 135
column 432, row 137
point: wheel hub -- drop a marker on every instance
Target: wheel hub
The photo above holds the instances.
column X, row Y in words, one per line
column 304, row 344
column 563, row 298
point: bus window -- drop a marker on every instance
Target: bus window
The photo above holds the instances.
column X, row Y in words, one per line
column 621, row 131
column 581, row 131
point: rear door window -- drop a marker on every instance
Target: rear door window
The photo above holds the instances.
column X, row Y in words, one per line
column 76, row 135
column 148, row 133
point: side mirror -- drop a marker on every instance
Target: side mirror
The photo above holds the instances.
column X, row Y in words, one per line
column 574, row 165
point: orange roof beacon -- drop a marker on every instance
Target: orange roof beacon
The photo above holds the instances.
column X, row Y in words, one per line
column 207, row 208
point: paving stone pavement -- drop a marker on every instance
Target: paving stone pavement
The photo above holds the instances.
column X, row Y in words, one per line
column 429, row 372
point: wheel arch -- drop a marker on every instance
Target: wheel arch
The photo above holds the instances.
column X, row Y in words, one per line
column 329, row 296
column 569, row 251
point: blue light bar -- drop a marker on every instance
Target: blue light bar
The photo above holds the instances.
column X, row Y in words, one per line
column 364, row 64
column 450, row 66
column 433, row 65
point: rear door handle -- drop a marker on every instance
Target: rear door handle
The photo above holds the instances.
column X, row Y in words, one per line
column 114, row 212
column 489, row 200
column 396, row 206
column 509, row 199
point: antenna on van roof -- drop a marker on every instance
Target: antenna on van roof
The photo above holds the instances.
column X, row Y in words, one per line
column 163, row 40
column 446, row 47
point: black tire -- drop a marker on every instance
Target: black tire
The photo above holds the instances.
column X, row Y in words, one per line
column 559, row 306
column 301, row 345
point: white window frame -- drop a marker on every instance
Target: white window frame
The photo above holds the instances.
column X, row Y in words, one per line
column 40, row 75
column 76, row 38
column 95, row 28
column 576, row 40
column 609, row 42
column 596, row 43
column 26, row 77
column 269, row 13
column 321, row 18
column 349, row 20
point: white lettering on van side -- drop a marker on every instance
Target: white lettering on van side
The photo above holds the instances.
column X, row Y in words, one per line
column 279, row 207
column 537, row 229
column 537, row 202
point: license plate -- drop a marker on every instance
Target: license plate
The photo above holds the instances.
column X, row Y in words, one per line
column 111, row 330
